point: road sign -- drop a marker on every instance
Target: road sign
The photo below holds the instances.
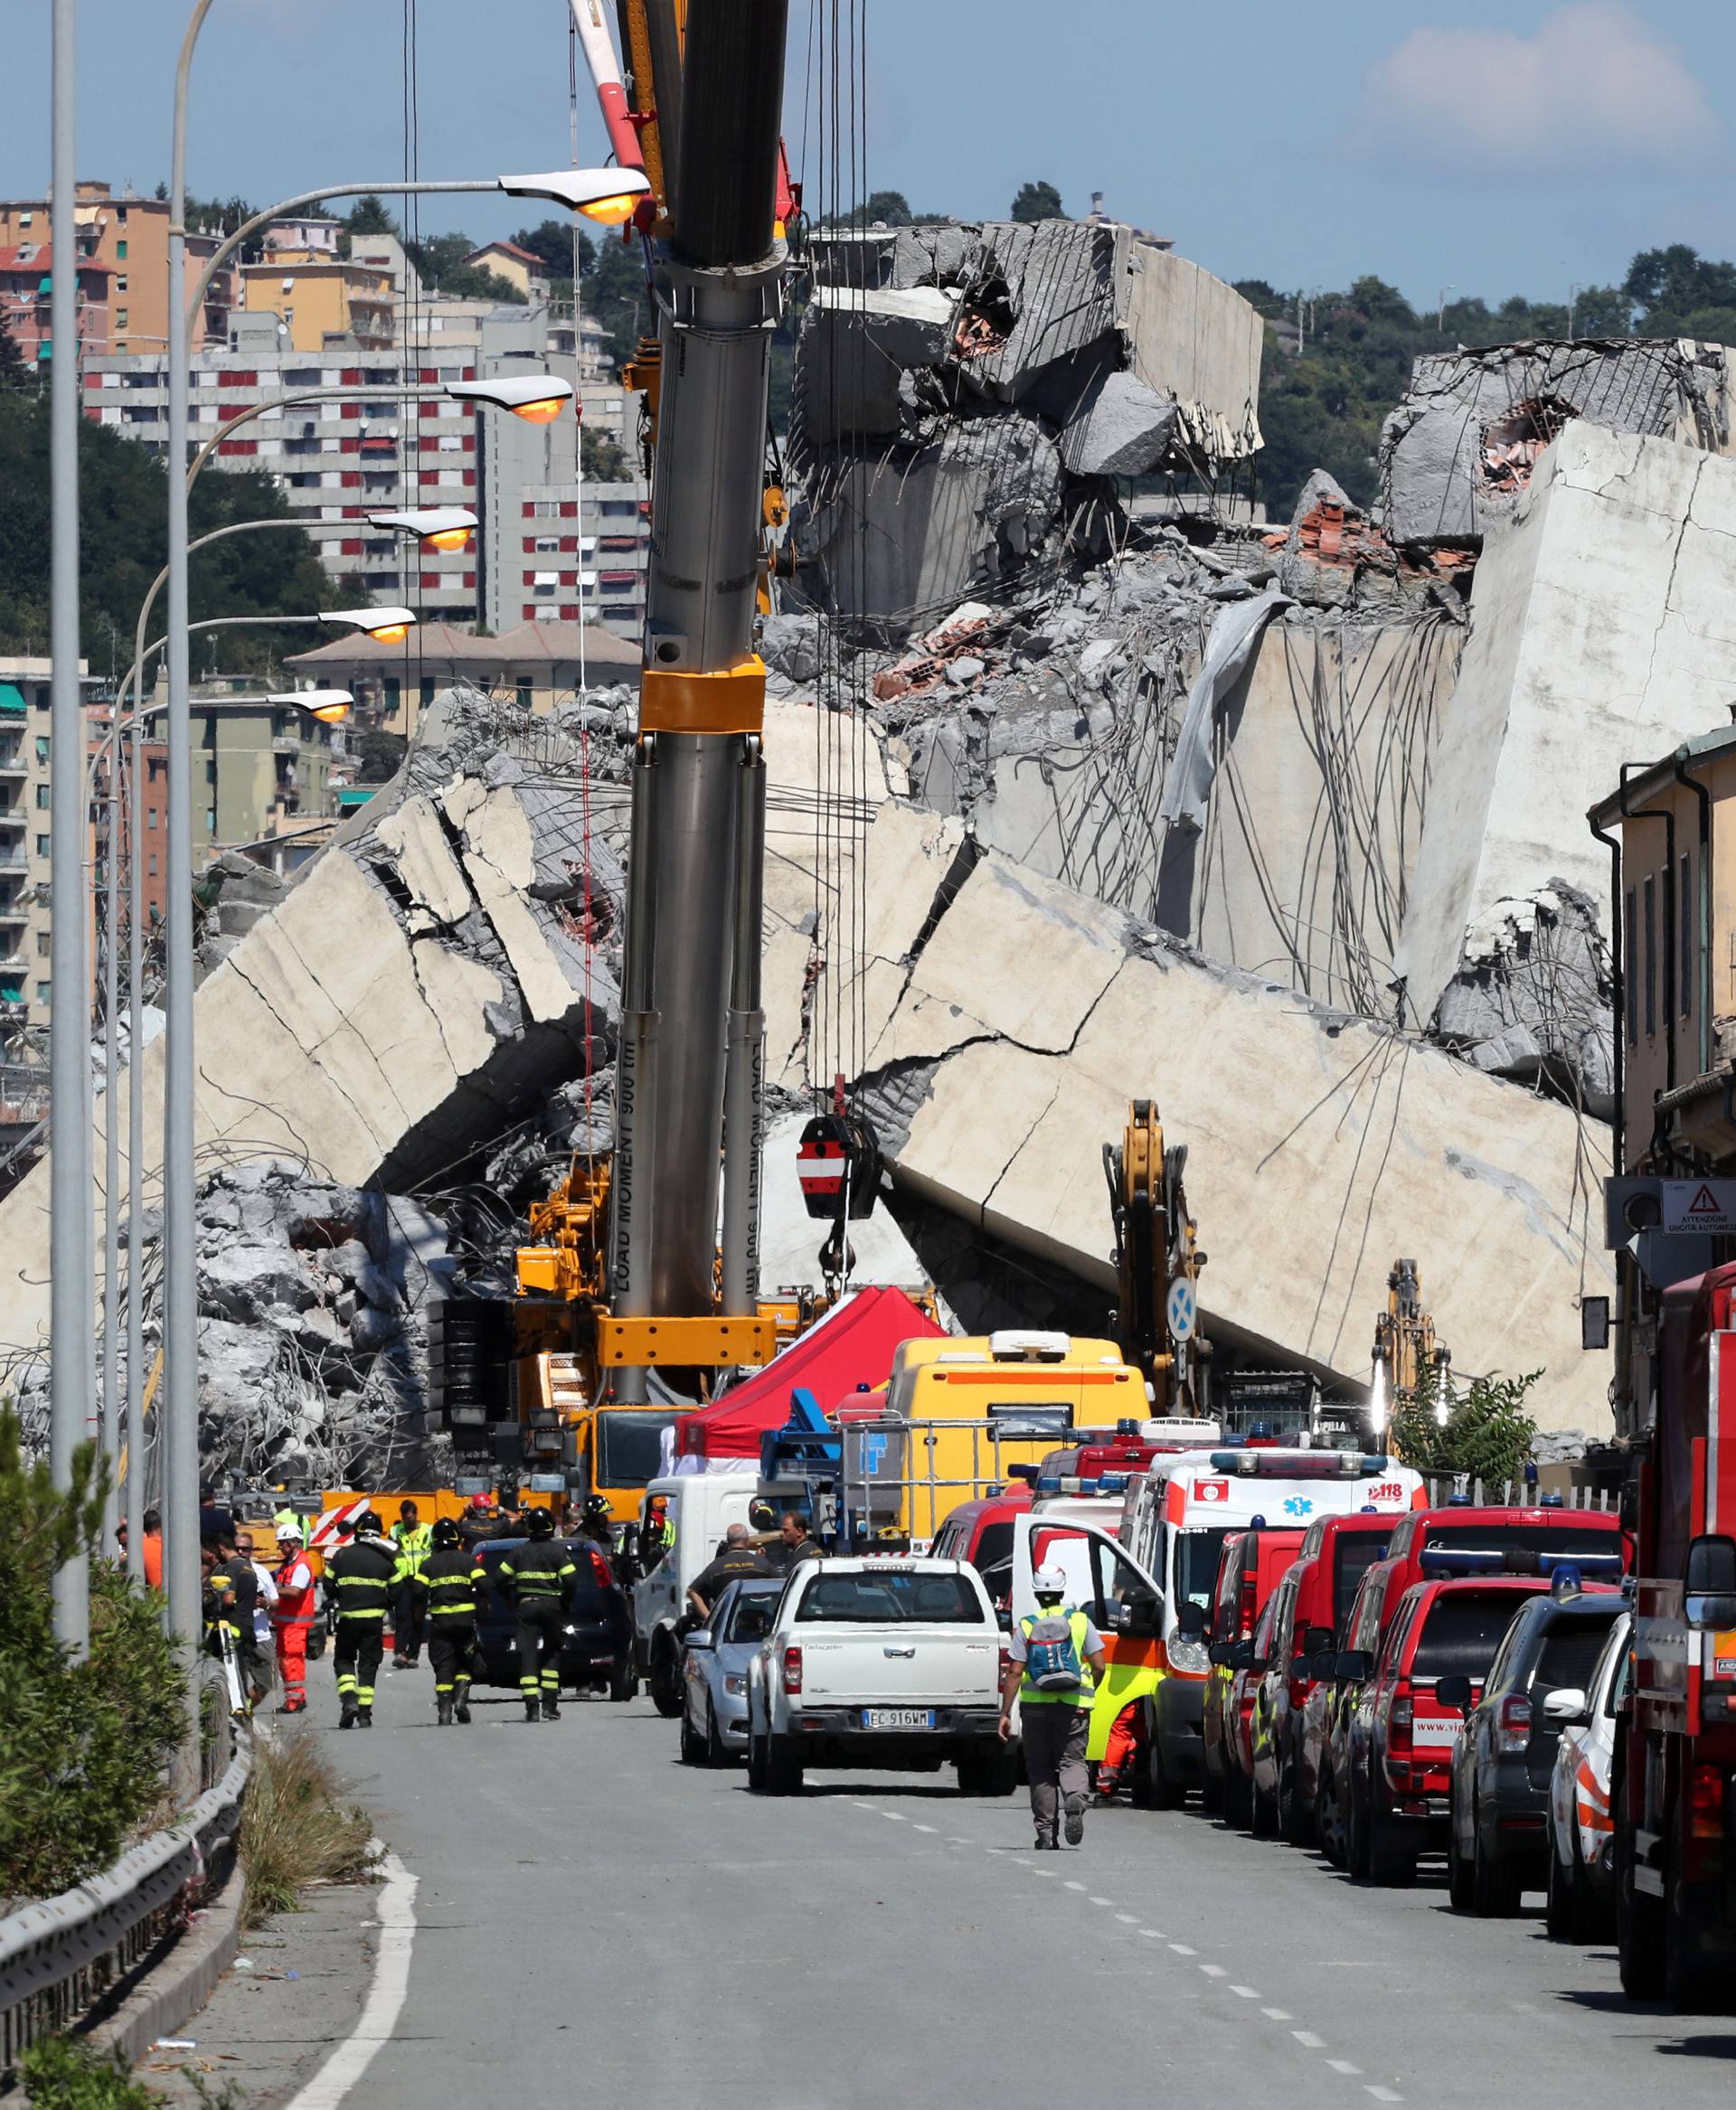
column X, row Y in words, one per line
column 1181, row 1310
column 1698, row 1205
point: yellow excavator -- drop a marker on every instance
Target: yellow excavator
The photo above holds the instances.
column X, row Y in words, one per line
column 1157, row 1262
column 1406, row 1352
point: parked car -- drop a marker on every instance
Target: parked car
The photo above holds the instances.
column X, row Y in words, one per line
column 597, row 1651
column 1328, row 1715
column 1582, row 1824
column 715, row 1669
column 1241, row 1727
column 1497, row 1846
column 981, row 1532
column 1284, row 1686
column 1337, row 1552
column 1248, row 1568
column 1395, row 1791
column 888, row 1664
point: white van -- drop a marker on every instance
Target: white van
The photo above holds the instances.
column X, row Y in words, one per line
column 1175, row 1520
column 700, row 1507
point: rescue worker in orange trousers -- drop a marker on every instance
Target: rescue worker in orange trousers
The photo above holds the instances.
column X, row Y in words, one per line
column 293, row 1616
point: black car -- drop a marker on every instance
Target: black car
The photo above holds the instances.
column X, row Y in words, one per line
column 599, row 1648
column 1498, row 1841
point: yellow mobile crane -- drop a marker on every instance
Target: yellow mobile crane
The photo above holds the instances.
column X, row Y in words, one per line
column 625, row 1277
column 1405, row 1348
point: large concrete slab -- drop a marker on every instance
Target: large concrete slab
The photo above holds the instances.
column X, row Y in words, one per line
column 1603, row 626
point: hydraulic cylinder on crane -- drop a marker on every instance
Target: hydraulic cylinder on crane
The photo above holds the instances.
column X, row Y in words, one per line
column 693, row 1034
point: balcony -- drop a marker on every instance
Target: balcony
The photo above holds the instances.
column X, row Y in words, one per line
column 14, row 912
column 14, row 816
column 13, row 863
column 12, row 765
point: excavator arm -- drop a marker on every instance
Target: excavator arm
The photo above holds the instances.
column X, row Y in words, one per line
column 1155, row 1251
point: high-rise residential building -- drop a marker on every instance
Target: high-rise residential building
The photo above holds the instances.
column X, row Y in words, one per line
column 569, row 553
column 125, row 237
column 336, row 460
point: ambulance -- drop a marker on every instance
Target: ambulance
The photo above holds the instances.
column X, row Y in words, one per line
column 1175, row 1520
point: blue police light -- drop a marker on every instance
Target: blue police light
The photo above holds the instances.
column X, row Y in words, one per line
column 1112, row 1483
column 1458, row 1502
column 1369, row 1509
column 1028, row 1473
column 1374, row 1462
column 1127, row 1427
column 1549, row 1501
column 1048, row 1483
column 1257, row 1523
column 1089, row 1483
column 1565, row 1582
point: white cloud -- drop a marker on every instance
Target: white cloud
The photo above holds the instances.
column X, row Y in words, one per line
column 1593, row 86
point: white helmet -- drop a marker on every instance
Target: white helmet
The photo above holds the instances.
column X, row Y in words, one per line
column 289, row 1535
column 1050, row 1581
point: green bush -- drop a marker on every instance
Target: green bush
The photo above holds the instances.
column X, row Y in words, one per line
column 82, row 1746
column 61, row 2074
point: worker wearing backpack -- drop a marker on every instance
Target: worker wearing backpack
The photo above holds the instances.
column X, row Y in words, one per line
column 1054, row 1657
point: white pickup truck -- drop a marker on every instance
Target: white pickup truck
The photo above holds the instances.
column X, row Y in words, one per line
column 889, row 1665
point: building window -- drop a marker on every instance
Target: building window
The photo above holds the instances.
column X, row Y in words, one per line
column 41, row 747
column 42, row 846
column 44, row 945
column 152, row 867
column 1651, row 958
column 120, row 252
column 120, row 318
column 1688, row 944
column 42, row 799
column 150, row 814
column 1630, row 966
column 427, row 690
column 43, row 989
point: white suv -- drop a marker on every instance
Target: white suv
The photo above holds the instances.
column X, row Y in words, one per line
column 887, row 1665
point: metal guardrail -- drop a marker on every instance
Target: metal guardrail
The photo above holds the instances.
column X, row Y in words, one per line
column 62, row 1955
column 1510, row 1494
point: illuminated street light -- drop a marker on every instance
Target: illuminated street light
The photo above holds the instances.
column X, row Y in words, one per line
column 437, row 527
column 538, row 398
column 609, row 196
column 386, row 626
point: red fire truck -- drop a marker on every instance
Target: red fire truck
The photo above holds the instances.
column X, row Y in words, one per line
column 1675, row 1760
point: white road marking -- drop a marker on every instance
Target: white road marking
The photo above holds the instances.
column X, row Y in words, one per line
column 1342, row 2066
column 1103, row 1901
column 396, row 1913
column 961, row 1842
column 893, row 1816
column 1128, row 1918
column 1278, row 2014
column 1214, row 1970
column 1247, row 1991
column 1181, row 1949
column 1073, row 1886
column 1154, row 1934
column 868, row 1806
column 1383, row 2094
column 925, row 1827
column 1309, row 2040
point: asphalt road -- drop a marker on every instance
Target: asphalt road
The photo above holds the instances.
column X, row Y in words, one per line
column 593, row 1917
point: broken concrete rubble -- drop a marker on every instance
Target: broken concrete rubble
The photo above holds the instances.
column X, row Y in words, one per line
column 1601, row 627
column 1456, row 455
column 946, row 458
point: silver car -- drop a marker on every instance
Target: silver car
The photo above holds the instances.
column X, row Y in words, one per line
column 714, row 1665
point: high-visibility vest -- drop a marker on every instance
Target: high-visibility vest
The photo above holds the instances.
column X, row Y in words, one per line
column 415, row 1542
column 296, row 1604
column 1029, row 1695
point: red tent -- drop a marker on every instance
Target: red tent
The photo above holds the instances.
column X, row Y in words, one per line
column 852, row 1345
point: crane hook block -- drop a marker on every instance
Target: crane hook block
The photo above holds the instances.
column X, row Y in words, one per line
column 837, row 1160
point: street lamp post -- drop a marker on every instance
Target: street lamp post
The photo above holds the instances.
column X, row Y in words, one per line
column 608, row 194
column 72, row 1343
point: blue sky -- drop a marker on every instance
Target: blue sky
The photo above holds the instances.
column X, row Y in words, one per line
column 1498, row 146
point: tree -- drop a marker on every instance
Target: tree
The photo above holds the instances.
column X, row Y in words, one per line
column 601, row 459
column 1487, row 1434
column 889, row 208
column 122, row 542
column 15, row 368
column 615, row 297
column 380, row 755
column 551, row 242
column 1037, row 202
column 369, row 216
column 81, row 1745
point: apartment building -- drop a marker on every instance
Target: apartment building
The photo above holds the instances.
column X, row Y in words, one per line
column 27, row 304
column 575, row 552
column 337, row 461
column 537, row 663
column 259, row 769
column 317, row 298
column 128, row 238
